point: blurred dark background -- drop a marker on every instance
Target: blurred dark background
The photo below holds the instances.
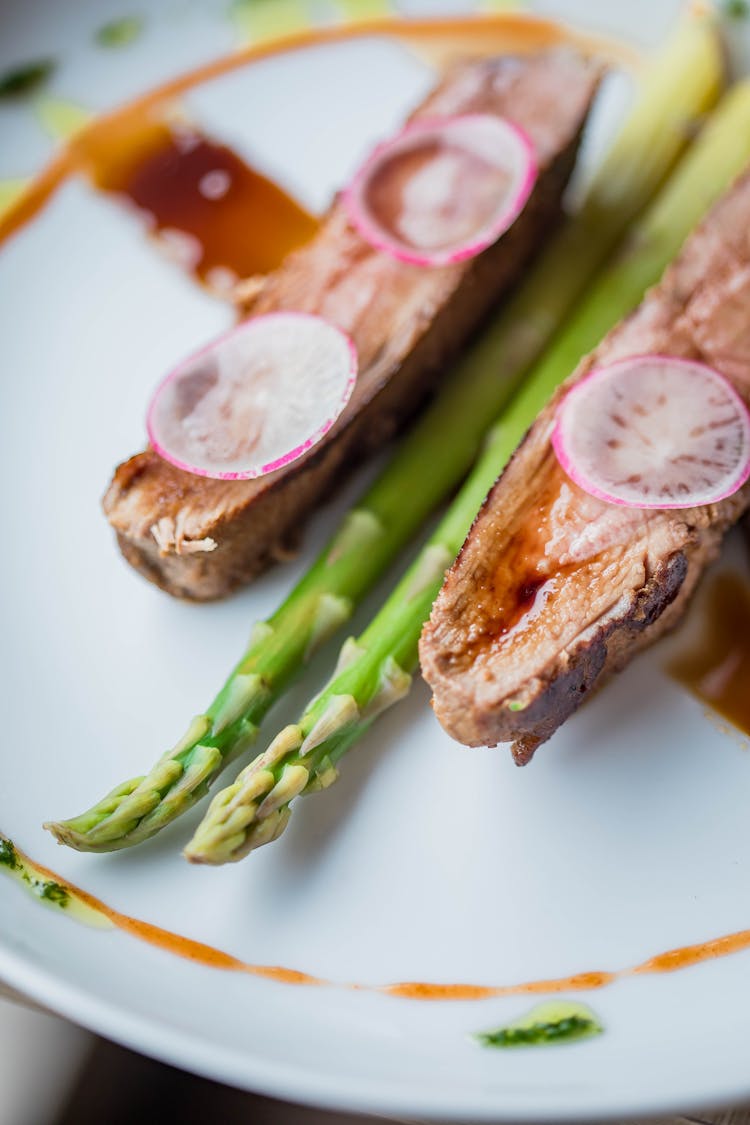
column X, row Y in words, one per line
column 52, row 1073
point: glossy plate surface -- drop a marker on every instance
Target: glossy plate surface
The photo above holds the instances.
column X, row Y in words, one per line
column 627, row 836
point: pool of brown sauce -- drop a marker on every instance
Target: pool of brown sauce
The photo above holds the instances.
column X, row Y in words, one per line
column 226, row 220
column 715, row 667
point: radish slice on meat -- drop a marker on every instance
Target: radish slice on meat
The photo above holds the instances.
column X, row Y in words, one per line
column 254, row 399
column 653, row 431
column 443, row 189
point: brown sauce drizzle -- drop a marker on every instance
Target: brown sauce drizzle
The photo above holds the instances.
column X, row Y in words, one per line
column 507, row 594
column 207, row 955
column 516, row 602
column 438, row 39
column 717, row 668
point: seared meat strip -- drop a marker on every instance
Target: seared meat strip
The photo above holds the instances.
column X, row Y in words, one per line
column 201, row 538
column 553, row 590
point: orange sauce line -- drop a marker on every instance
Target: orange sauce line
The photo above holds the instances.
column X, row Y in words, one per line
column 207, row 955
column 689, row 955
column 422, row 990
column 173, row 943
column 481, row 34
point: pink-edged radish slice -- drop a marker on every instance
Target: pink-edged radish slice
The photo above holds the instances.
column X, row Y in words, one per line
column 653, row 431
column 443, row 189
column 254, row 399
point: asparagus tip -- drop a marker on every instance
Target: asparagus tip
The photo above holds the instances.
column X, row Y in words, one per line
column 198, row 857
column 65, row 834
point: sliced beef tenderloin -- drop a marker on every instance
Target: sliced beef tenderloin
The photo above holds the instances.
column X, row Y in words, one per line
column 199, row 538
column 553, row 589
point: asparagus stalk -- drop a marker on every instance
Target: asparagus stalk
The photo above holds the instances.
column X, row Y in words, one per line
column 375, row 670
column 680, row 85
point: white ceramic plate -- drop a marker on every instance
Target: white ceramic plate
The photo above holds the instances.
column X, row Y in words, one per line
column 627, row 835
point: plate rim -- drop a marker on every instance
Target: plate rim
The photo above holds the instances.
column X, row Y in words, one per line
column 300, row 1086
column 291, row 1081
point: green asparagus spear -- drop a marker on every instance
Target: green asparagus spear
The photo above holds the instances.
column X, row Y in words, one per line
column 375, row 670
column 680, row 85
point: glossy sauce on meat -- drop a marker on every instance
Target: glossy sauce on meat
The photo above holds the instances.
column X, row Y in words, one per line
column 562, row 533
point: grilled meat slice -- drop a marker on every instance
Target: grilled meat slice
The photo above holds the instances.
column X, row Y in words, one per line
column 199, row 538
column 554, row 590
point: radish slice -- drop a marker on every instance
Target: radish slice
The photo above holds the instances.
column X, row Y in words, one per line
column 443, row 189
column 652, row 431
column 254, row 399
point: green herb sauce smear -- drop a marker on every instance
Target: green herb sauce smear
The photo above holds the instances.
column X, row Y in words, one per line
column 560, row 1021
column 26, row 78
column 119, row 33
column 8, row 856
column 46, row 889
column 42, row 885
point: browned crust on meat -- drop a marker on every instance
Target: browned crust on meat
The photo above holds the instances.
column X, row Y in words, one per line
column 590, row 663
column 201, row 539
column 497, row 686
